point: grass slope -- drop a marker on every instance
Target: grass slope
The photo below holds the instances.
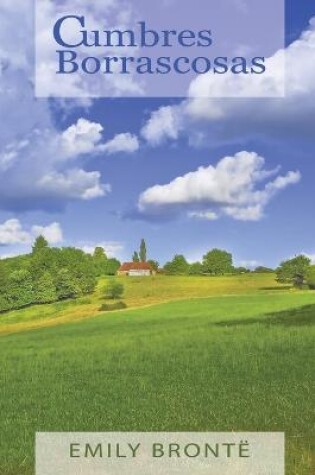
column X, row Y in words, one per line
column 216, row 364
column 138, row 292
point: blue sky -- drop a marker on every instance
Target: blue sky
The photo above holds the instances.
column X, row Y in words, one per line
column 107, row 194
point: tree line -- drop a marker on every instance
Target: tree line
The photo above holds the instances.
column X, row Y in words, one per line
column 51, row 274
column 214, row 262
column 48, row 274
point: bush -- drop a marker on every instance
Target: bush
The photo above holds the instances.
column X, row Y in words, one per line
column 114, row 290
column 107, row 307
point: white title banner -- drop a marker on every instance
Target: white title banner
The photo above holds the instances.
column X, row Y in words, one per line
column 166, row 453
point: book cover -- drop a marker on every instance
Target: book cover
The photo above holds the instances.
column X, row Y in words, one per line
column 157, row 252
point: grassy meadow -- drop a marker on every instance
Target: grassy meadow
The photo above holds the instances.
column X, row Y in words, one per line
column 189, row 354
column 139, row 292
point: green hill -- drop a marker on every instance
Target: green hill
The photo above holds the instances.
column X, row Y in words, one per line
column 242, row 362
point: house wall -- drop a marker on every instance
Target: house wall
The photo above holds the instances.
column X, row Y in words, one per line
column 139, row 273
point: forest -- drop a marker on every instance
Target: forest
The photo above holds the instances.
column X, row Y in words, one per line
column 51, row 274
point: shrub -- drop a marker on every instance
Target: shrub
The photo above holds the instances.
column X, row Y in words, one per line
column 106, row 307
column 114, row 290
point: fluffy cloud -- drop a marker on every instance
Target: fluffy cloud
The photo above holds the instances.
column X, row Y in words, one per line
column 53, row 232
column 13, row 232
column 220, row 120
column 238, row 186
column 127, row 143
column 81, row 138
column 32, row 150
column 42, row 167
column 86, row 137
column 111, row 248
column 164, row 123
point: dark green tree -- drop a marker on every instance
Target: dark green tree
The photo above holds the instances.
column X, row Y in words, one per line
column 3, row 277
column 99, row 260
column 39, row 244
column 294, row 270
column 196, row 268
column 113, row 290
column 111, row 267
column 45, row 260
column 143, row 251
column 45, row 289
column 20, row 289
column 135, row 257
column 99, row 253
column 218, row 262
column 80, row 266
column 178, row 265
column 66, row 285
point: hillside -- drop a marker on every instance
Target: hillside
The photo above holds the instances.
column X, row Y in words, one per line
column 139, row 292
column 220, row 363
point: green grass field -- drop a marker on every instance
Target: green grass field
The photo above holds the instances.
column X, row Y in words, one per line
column 241, row 359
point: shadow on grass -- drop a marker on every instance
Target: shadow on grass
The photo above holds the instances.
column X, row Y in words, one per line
column 302, row 316
column 277, row 287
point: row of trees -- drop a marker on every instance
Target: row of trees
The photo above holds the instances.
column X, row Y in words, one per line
column 51, row 274
column 215, row 262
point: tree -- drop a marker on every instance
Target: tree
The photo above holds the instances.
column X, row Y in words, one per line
column 66, row 285
column 154, row 265
column 218, row 262
column 196, row 268
column 143, row 251
column 178, row 265
column 114, row 290
column 20, row 289
column 135, row 257
column 263, row 270
column 99, row 260
column 39, row 244
column 111, row 267
column 99, row 254
column 44, row 260
column 3, row 277
column 45, row 289
column 80, row 266
column 294, row 270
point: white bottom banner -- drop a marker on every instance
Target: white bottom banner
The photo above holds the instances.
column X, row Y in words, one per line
column 157, row 453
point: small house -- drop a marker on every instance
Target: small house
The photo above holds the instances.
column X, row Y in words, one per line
column 136, row 269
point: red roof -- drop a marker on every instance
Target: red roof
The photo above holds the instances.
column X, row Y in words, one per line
column 128, row 266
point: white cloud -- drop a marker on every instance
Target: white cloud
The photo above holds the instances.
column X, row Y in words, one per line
column 220, row 120
column 74, row 184
column 52, row 233
column 85, row 137
column 163, row 124
column 81, row 138
column 30, row 143
column 111, row 248
column 236, row 187
column 127, row 143
column 13, row 232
